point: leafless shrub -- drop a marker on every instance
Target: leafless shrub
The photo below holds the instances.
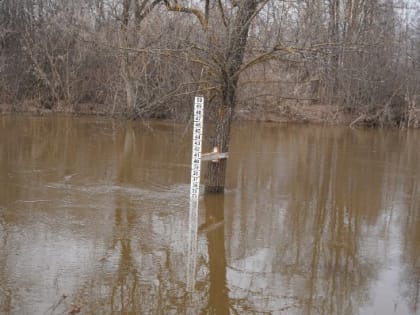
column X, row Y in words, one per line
column 141, row 58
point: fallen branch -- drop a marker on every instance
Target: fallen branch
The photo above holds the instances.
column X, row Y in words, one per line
column 354, row 122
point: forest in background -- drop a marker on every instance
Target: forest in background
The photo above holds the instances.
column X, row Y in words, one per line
column 149, row 58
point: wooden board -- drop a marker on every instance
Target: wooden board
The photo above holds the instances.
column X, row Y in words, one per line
column 214, row 156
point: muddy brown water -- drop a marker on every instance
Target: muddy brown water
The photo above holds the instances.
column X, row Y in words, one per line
column 94, row 219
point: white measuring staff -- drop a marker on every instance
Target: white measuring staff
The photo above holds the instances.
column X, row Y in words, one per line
column 196, row 147
column 194, row 192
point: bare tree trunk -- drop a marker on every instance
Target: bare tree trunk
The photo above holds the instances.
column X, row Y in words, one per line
column 216, row 172
column 130, row 84
column 334, row 34
column 126, row 63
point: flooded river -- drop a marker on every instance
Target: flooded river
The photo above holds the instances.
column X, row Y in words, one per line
column 94, row 219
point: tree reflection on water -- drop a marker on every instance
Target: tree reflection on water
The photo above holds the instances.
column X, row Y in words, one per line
column 215, row 232
column 314, row 221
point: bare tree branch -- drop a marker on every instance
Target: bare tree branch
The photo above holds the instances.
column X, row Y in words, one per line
column 179, row 8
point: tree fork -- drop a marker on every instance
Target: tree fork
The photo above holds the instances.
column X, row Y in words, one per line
column 229, row 69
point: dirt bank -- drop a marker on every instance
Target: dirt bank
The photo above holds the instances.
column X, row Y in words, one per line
column 308, row 114
column 318, row 114
column 33, row 108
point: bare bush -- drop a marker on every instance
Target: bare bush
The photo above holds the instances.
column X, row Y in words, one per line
column 145, row 58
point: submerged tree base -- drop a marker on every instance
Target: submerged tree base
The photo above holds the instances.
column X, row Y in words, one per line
column 214, row 189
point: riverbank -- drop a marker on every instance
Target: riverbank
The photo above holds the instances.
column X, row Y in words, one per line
column 302, row 114
column 31, row 108
column 313, row 114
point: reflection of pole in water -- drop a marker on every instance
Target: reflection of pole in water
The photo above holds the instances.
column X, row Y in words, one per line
column 192, row 245
column 194, row 191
